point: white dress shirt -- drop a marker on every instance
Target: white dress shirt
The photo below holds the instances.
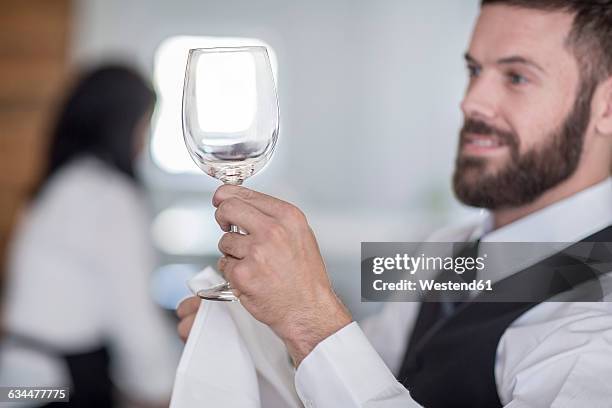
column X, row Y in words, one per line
column 79, row 268
column 557, row 354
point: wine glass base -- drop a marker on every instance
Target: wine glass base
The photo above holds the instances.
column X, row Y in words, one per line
column 220, row 293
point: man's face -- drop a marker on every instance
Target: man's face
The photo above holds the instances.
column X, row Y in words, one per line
column 523, row 123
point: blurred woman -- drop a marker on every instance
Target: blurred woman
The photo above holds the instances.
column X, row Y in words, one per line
column 77, row 309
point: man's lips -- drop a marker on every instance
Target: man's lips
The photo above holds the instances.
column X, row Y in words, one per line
column 474, row 143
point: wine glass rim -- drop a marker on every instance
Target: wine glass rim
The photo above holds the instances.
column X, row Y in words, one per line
column 243, row 48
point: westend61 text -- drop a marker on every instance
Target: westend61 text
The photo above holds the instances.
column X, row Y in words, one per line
column 432, row 285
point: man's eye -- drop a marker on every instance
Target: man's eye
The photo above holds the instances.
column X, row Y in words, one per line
column 517, row 79
column 473, row 71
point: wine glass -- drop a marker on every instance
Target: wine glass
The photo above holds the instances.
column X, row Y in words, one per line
column 230, row 119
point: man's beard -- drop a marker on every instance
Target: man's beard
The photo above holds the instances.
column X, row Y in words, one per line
column 526, row 176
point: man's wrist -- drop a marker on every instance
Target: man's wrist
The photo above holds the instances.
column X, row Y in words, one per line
column 323, row 321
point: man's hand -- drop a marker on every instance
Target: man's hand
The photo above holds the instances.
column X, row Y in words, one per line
column 186, row 312
column 277, row 270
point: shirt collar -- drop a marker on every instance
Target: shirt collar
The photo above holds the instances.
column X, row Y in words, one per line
column 568, row 220
column 560, row 224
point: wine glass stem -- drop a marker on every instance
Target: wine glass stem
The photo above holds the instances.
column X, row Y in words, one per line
column 235, row 181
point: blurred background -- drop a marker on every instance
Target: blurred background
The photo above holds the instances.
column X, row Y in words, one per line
column 369, row 98
column 369, row 95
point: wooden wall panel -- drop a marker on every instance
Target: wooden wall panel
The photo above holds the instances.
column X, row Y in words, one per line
column 34, row 28
column 22, row 143
column 33, row 69
column 26, row 81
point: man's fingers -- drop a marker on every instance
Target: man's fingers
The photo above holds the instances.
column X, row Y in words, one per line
column 184, row 326
column 266, row 204
column 235, row 271
column 235, row 211
column 188, row 307
column 235, row 244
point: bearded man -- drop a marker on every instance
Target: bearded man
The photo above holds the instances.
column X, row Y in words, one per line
column 536, row 152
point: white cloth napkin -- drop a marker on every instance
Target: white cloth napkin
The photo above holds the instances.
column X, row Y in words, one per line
column 231, row 359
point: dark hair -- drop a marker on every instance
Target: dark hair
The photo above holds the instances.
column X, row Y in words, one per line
column 98, row 118
column 590, row 38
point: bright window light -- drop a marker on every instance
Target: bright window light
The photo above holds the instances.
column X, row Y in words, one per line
column 226, row 92
column 167, row 146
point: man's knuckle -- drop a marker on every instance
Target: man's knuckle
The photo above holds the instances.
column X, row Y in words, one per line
column 241, row 272
column 233, row 204
column 258, row 252
column 275, row 232
column 223, row 207
column 225, row 244
column 245, row 193
column 225, row 190
column 293, row 214
column 221, row 263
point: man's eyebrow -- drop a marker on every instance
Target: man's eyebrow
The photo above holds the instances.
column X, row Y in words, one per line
column 470, row 60
column 515, row 59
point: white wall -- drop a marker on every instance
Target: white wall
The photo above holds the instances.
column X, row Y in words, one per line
column 369, row 95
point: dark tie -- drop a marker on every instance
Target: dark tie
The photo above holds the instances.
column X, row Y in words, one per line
column 437, row 307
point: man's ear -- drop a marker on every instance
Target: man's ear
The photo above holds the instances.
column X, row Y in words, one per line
column 603, row 108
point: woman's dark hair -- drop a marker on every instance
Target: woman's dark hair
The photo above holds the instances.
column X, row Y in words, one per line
column 99, row 118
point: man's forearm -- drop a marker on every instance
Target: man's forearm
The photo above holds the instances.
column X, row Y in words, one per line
column 323, row 320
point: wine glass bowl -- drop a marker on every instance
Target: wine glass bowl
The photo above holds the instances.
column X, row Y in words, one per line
column 230, row 118
column 230, row 111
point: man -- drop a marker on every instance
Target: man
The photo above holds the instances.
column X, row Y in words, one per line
column 536, row 151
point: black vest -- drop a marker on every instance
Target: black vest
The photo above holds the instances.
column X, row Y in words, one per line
column 451, row 362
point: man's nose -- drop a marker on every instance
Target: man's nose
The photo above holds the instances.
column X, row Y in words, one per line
column 481, row 100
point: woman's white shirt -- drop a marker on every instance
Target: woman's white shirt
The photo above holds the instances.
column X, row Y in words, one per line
column 78, row 274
